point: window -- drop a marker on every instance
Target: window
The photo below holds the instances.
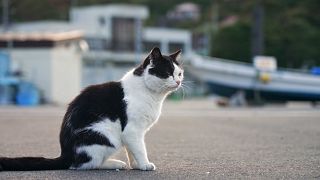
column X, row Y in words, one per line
column 123, row 34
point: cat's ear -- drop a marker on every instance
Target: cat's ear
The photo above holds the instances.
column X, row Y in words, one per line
column 155, row 53
column 176, row 55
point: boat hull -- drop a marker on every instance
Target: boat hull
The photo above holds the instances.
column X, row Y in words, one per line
column 228, row 91
column 225, row 78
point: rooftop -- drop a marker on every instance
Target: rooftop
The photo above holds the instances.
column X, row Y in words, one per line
column 41, row 36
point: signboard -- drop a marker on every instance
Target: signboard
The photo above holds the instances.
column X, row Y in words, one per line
column 265, row 63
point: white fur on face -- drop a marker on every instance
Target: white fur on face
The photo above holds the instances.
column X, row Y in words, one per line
column 163, row 85
column 177, row 76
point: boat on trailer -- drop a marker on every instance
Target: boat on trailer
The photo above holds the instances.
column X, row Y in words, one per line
column 226, row 78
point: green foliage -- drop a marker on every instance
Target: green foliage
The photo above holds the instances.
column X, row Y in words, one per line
column 291, row 29
column 292, row 33
column 32, row 10
column 294, row 43
column 232, row 42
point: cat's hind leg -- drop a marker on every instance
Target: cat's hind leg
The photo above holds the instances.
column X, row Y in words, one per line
column 97, row 143
column 114, row 164
column 91, row 156
column 94, row 157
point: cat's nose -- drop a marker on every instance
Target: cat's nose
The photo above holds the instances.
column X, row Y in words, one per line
column 178, row 82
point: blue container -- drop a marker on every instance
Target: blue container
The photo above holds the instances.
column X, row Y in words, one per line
column 315, row 70
column 28, row 95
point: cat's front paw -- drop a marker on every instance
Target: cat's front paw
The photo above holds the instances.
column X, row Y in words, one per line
column 144, row 167
column 148, row 167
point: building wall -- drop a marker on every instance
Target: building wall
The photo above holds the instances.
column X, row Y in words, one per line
column 66, row 74
column 55, row 71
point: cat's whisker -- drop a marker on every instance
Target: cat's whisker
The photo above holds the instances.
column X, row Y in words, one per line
column 185, row 86
column 181, row 62
column 189, row 82
column 183, row 92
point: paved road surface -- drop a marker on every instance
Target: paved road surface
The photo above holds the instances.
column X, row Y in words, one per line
column 193, row 140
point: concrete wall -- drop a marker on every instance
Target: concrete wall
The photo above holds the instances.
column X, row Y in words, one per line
column 55, row 71
column 66, row 74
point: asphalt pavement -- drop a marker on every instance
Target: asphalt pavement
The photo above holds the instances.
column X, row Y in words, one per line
column 192, row 140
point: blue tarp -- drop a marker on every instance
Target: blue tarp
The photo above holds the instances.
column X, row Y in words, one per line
column 4, row 64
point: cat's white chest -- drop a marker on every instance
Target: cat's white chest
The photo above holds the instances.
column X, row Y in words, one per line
column 152, row 112
column 143, row 106
column 144, row 112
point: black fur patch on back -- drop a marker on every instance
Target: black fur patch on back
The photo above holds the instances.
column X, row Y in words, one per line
column 96, row 103
column 92, row 105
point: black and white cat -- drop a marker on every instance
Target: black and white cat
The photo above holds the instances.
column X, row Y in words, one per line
column 106, row 117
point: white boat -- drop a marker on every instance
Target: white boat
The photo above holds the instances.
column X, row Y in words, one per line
column 225, row 78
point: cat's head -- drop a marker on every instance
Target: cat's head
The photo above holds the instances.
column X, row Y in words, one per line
column 161, row 73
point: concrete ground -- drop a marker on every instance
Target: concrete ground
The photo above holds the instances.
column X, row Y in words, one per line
column 193, row 140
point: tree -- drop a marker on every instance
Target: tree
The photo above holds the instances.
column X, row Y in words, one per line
column 233, row 42
column 291, row 29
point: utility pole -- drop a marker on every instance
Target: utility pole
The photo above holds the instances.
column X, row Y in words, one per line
column 257, row 42
column 138, row 39
column 213, row 26
column 257, row 36
column 6, row 21
column 5, row 14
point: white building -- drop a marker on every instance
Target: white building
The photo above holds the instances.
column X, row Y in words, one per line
column 52, row 61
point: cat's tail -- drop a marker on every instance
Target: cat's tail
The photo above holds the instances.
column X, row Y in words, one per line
column 33, row 163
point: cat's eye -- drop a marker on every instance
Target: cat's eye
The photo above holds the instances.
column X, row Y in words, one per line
column 179, row 74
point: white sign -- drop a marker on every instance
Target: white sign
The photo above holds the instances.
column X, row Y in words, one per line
column 265, row 63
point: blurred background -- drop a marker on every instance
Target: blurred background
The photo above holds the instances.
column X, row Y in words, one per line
column 240, row 52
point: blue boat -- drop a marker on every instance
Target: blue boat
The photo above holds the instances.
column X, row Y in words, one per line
column 225, row 78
